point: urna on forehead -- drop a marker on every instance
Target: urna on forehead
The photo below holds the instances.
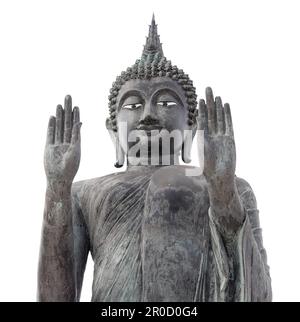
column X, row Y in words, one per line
column 154, row 66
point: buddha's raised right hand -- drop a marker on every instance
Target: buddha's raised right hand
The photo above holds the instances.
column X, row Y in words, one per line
column 62, row 151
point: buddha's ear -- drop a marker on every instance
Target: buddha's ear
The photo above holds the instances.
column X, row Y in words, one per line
column 109, row 125
column 120, row 156
column 113, row 134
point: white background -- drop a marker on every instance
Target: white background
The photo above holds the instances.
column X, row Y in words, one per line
column 248, row 51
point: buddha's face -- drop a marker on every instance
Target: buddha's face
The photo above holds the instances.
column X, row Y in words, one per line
column 149, row 108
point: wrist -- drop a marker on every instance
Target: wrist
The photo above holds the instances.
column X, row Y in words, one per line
column 59, row 189
column 221, row 184
column 57, row 212
column 223, row 194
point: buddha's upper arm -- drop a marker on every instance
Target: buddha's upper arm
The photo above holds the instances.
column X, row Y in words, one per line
column 81, row 239
column 248, row 200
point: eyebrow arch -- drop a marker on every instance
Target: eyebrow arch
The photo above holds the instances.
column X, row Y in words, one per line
column 166, row 89
column 128, row 94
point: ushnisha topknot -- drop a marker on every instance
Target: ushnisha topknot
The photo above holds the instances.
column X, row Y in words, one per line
column 152, row 64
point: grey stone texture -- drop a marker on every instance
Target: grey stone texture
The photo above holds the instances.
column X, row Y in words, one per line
column 154, row 233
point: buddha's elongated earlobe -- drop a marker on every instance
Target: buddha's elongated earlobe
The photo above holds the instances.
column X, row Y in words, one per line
column 114, row 135
column 186, row 150
column 120, row 155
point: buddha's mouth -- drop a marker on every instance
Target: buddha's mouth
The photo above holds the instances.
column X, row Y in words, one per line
column 149, row 128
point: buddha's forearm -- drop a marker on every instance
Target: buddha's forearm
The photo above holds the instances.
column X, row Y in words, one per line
column 56, row 276
column 225, row 205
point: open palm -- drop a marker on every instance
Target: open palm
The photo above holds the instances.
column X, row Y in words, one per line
column 62, row 151
column 219, row 146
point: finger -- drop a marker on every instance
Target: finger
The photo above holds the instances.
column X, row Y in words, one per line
column 202, row 118
column 76, row 132
column 68, row 119
column 228, row 120
column 51, row 130
column 59, row 124
column 220, row 116
column 76, row 115
column 211, row 111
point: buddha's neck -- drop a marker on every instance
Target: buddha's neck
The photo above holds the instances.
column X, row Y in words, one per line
column 152, row 162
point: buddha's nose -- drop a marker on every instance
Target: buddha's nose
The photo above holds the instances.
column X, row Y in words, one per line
column 148, row 111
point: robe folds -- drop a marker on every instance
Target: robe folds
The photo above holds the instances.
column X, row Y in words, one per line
column 154, row 239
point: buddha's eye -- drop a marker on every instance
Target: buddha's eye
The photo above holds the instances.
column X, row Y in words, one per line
column 132, row 106
column 166, row 103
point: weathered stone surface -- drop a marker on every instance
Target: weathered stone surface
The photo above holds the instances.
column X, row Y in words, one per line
column 155, row 233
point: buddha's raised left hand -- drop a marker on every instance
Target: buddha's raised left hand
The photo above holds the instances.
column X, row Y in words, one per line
column 219, row 146
column 219, row 165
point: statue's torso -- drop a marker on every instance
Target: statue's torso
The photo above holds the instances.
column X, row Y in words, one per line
column 149, row 234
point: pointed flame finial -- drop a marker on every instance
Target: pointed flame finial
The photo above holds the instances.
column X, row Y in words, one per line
column 153, row 19
column 153, row 44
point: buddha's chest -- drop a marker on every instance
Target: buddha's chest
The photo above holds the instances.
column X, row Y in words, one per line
column 169, row 211
column 151, row 239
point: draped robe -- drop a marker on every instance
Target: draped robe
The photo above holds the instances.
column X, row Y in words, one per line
column 152, row 238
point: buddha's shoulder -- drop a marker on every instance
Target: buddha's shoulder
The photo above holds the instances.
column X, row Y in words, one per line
column 97, row 183
column 246, row 193
column 118, row 180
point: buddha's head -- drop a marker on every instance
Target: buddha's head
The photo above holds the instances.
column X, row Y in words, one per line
column 148, row 102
